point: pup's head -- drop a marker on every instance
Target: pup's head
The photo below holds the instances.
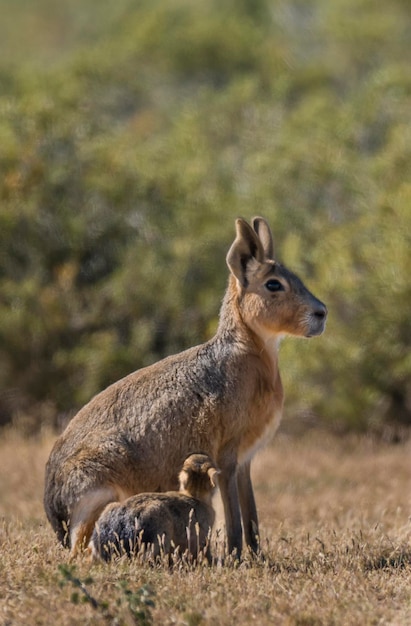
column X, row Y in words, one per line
column 198, row 477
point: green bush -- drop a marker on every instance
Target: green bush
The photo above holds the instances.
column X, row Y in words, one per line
column 131, row 143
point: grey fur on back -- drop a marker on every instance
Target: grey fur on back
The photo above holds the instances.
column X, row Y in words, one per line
column 162, row 523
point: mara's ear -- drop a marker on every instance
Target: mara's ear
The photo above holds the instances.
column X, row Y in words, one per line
column 263, row 231
column 246, row 246
column 212, row 474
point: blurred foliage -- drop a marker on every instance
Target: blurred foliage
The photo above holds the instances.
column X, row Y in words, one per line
column 131, row 136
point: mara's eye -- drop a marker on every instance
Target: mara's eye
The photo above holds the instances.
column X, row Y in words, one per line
column 274, row 285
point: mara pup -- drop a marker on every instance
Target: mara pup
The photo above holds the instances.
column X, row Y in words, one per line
column 161, row 522
column 224, row 397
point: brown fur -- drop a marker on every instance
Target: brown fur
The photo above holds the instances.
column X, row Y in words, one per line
column 224, row 397
column 161, row 522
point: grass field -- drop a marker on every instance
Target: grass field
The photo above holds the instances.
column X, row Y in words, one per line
column 335, row 528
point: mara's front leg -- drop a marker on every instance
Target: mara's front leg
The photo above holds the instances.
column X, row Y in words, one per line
column 229, row 494
column 248, row 506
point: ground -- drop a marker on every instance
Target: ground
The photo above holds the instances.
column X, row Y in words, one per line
column 335, row 534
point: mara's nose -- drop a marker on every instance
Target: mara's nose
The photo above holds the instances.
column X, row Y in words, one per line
column 321, row 311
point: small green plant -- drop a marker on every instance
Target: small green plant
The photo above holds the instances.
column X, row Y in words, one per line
column 81, row 593
column 139, row 603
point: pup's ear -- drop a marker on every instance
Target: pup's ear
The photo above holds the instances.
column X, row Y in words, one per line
column 183, row 480
column 213, row 476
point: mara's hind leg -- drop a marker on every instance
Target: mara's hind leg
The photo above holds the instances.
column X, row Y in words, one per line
column 85, row 514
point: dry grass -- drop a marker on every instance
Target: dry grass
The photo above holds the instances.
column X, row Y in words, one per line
column 336, row 532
